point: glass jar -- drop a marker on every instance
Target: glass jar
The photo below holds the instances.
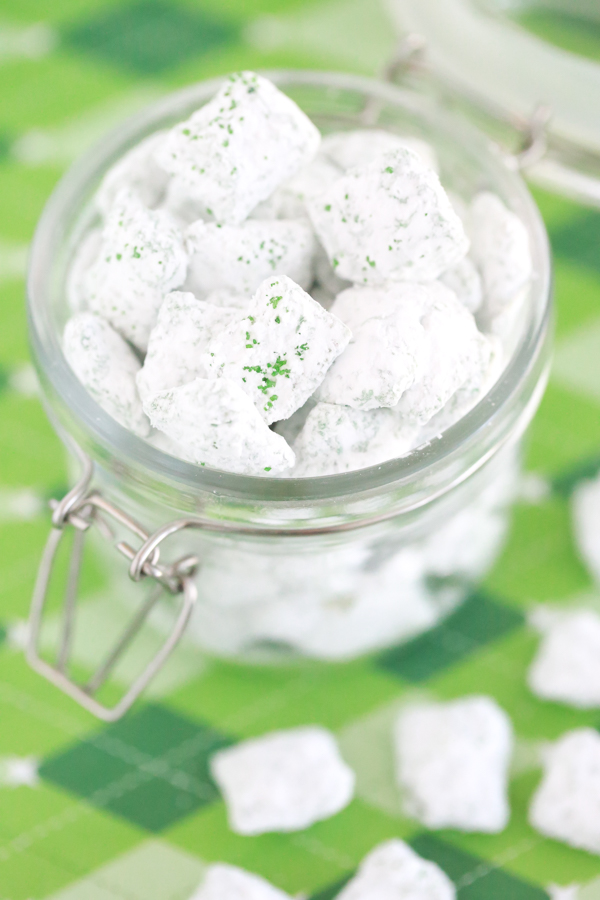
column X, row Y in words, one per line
column 329, row 567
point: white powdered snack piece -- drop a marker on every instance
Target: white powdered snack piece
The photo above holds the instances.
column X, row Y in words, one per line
column 283, row 781
column 338, row 439
column 325, row 276
column 182, row 205
column 224, row 297
column 138, row 172
column 566, row 805
column 393, row 871
column 279, row 353
column 216, row 424
column 289, row 200
column 224, row 882
column 585, row 510
column 465, row 280
column 389, row 220
column 141, row 259
column 452, row 763
column 84, row 256
column 234, row 151
column 567, row 665
column 107, row 367
column 238, row 258
column 413, row 347
column 183, row 332
column 500, row 248
column 358, row 148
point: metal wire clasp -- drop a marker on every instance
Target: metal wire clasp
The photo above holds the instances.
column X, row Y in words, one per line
column 81, row 509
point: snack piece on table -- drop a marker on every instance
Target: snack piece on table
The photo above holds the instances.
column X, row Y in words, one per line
column 338, row 439
column 141, row 259
column 413, row 345
column 107, row 366
column 279, row 353
column 184, row 329
column 214, row 423
column 393, row 871
column 239, row 257
column 567, row 665
column 138, row 172
column 224, row 882
column 234, row 151
column 358, row 148
column 390, row 220
column 585, row 510
column 283, row 781
column 465, row 280
column 500, row 248
column 452, row 763
column 566, row 805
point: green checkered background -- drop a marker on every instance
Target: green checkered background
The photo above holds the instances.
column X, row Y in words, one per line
column 128, row 811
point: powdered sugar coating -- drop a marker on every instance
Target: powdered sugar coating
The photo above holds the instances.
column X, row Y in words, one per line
column 234, row 151
column 224, row 882
column 216, row 424
column 393, row 871
column 85, row 255
column 566, row 805
column 107, row 367
column 567, row 665
column 136, row 171
column 279, row 353
column 389, row 220
column 452, row 763
column 238, row 258
column 183, row 332
column 358, row 148
column 141, row 259
column 289, row 200
column 464, row 279
column 283, row 781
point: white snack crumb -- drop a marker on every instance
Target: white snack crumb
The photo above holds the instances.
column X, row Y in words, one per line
column 585, row 510
column 500, row 247
column 566, row 805
column 235, row 150
column 184, row 330
column 239, row 258
column 138, row 172
column 567, row 665
column 358, row 148
column 338, row 439
column 452, row 762
column 283, row 781
column 86, row 253
column 224, row 882
column 393, row 871
column 107, row 367
column 389, row 220
column 465, row 280
column 216, row 424
column 279, row 353
column 142, row 258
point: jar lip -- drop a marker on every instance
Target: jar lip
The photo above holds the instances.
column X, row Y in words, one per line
column 113, row 437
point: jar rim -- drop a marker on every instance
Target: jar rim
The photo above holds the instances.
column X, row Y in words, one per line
column 96, row 425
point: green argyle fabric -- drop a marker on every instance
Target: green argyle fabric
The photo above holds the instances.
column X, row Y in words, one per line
column 129, row 811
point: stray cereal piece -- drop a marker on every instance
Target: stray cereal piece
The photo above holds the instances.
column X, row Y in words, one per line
column 279, row 353
column 214, row 423
column 358, row 148
column 184, row 329
column 465, row 281
column 393, row 871
column 566, row 805
column 283, row 781
column 234, row 151
column 224, row 882
column 238, row 257
column 567, row 665
column 137, row 172
column 390, row 220
column 585, row 510
column 338, row 439
column 500, row 248
column 86, row 254
column 107, row 367
column 142, row 258
column 452, row 762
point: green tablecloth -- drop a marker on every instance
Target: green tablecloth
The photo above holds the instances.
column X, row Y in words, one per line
column 86, row 813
